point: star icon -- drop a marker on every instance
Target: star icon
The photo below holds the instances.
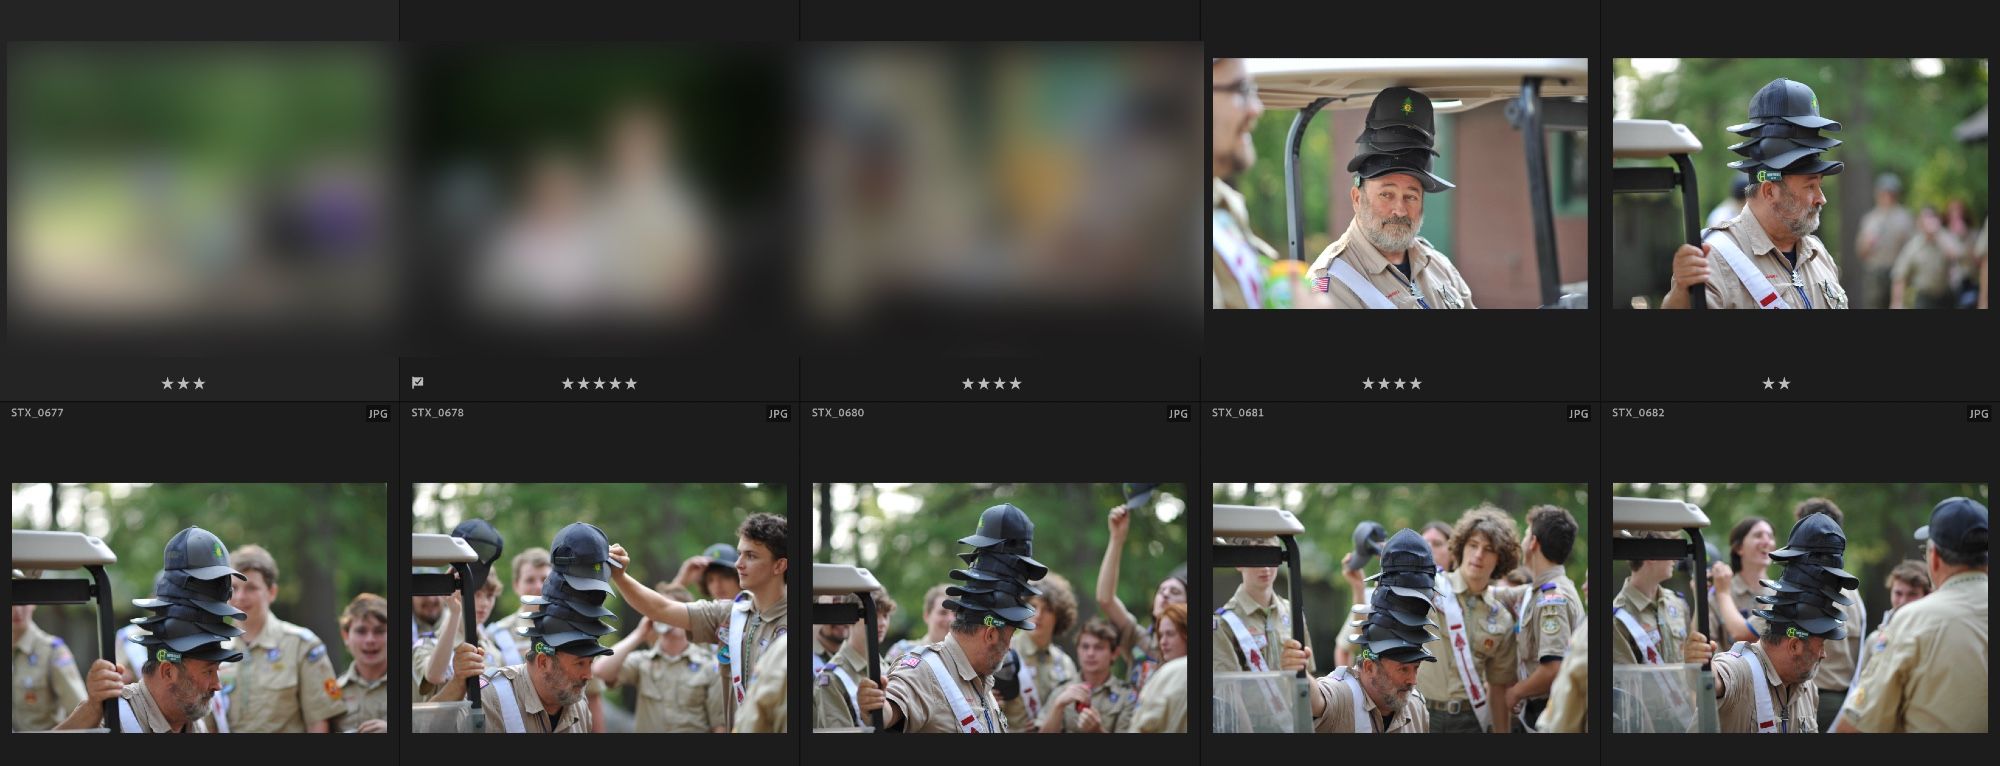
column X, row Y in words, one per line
column 168, row 383
column 1784, row 383
column 1399, row 384
column 968, row 384
column 1383, row 384
column 1416, row 383
column 198, row 382
column 1767, row 384
column 631, row 383
column 566, row 384
column 600, row 382
column 982, row 384
column 1017, row 384
column 1367, row 385
column 184, row 382
column 615, row 384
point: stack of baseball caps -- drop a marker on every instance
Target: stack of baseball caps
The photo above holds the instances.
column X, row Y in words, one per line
column 1395, row 621
column 1783, row 134
column 572, row 599
column 1807, row 599
column 1400, row 137
column 190, row 602
column 996, row 589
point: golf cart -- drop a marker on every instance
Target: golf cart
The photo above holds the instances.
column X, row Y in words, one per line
column 1653, row 139
column 1271, row 701
column 844, row 580
column 1666, row 699
column 444, row 551
column 35, row 551
column 1541, row 95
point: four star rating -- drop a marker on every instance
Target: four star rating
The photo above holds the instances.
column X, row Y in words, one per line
column 1385, row 384
column 995, row 384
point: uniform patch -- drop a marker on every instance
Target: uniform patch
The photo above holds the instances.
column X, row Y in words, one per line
column 1860, row 695
column 1551, row 625
column 316, row 653
column 332, row 690
column 1552, row 599
column 273, row 654
column 909, row 661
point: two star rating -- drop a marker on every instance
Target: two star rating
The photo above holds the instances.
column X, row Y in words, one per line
column 997, row 383
column 1370, row 385
column 627, row 384
column 183, row 382
column 1783, row 383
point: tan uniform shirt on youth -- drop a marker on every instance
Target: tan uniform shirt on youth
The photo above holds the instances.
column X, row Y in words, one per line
column 708, row 623
column 47, row 685
column 676, row 692
column 284, row 681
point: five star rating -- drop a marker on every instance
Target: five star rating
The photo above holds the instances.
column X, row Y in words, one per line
column 599, row 383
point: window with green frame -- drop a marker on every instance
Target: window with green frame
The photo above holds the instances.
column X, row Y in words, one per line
column 1569, row 173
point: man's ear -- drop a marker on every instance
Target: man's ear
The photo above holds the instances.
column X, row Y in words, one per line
column 784, row 565
column 1354, row 194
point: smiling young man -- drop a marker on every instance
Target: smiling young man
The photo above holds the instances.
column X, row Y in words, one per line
column 364, row 627
column 742, row 627
column 1097, row 702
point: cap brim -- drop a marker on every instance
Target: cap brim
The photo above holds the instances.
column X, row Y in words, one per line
column 1924, row 533
column 1406, row 618
column 1415, row 593
column 1812, row 121
column 213, row 652
column 583, row 608
column 582, row 584
column 1785, row 144
column 578, row 644
column 1431, row 182
column 980, row 541
column 1395, row 124
column 551, row 626
column 210, row 573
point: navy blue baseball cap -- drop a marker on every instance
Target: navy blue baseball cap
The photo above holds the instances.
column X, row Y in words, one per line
column 1958, row 525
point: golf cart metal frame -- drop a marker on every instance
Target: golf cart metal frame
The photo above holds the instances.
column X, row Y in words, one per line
column 1264, row 521
column 434, row 550
column 1642, row 514
column 1652, row 139
column 1540, row 89
column 842, row 580
column 37, row 550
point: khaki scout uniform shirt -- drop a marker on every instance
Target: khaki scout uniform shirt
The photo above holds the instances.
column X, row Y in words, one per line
column 151, row 719
column 1489, row 631
column 764, row 704
column 1796, row 706
column 1837, row 670
column 1432, row 272
column 284, row 681
column 1053, row 668
column 1666, row 620
column 1554, row 612
column 676, row 692
column 913, row 690
column 1270, row 625
column 708, row 623
column 1238, row 260
column 1745, row 596
column 1163, row 703
column 572, row 719
column 420, row 656
column 1569, row 694
column 832, row 708
column 46, row 683
column 1817, row 271
column 365, row 700
column 1338, row 715
column 1931, row 673
column 1114, row 700
column 1926, row 268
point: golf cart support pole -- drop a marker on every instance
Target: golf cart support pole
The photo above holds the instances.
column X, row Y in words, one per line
column 1294, row 215
column 1529, row 112
column 1690, row 216
column 1298, row 604
column 1700, row 573
column 107, row 637
column 874, row 649
column 470, row 617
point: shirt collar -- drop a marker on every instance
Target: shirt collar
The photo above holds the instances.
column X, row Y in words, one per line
column 1242, row 603
column 353, row 675
column 1631, row 595
column 955, row 656
column 1760, row 242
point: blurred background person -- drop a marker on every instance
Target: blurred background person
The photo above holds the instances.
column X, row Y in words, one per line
column 1884, row 231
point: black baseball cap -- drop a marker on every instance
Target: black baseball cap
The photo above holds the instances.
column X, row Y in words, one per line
column 1402, row 107
column 582, row 554
column 1787, row 101
column 1958, row 525
column 1003, row 525
column 200, row 554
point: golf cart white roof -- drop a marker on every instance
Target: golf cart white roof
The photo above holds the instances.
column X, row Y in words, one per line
column 1645, row 514
column 59, row 550
column 841, row 579
column 429, row 550
column 1651, row 138
column 1353, row 83
column 1255, row 521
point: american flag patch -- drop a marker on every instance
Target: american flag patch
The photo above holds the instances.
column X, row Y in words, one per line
column 1321, row 284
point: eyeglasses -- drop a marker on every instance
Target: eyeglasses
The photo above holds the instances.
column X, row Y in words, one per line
column 1245, row 88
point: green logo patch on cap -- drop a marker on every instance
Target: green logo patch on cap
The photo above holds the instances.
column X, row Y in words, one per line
column 542, row 647
column 992, row 623
column 167, row 655
column 1768, row 175
column 1407, row 105
column 218, row 549
column 1815, row 102
column 1796, row 633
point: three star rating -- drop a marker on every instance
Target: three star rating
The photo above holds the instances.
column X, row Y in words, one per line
column 1371, row 384
column 996, row 384
column 583, row 384
column 170, row 383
